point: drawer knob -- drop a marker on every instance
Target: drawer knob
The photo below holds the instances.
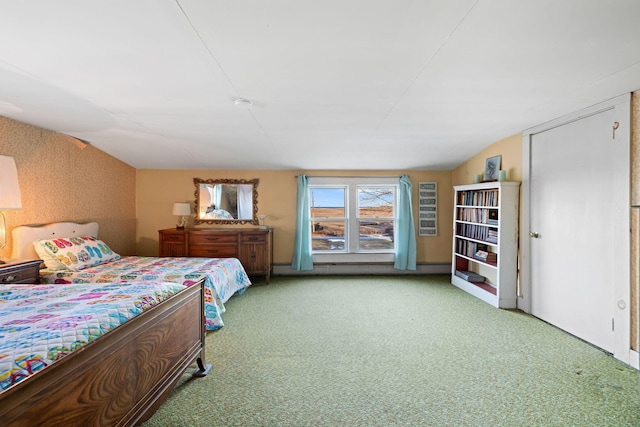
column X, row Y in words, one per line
column 9, row 278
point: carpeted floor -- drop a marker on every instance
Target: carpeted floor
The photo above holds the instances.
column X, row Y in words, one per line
column 395, row 351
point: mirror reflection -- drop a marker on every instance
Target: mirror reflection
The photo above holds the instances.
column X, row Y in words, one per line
column 226, row 201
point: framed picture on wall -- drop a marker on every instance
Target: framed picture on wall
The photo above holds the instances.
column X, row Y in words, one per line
column 492, row 168
column 428, row 209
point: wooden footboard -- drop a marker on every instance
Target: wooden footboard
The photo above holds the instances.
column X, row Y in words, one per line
column 119, row 379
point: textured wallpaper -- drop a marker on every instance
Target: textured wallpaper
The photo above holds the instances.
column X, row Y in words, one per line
column 62, row 179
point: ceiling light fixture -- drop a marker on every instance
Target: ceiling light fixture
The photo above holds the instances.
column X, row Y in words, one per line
column 243, row 103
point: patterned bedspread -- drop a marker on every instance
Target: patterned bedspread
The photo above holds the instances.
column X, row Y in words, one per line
column 40, row 324
column 223, row 277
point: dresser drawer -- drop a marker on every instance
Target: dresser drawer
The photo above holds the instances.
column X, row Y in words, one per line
column 253, row 238
column 178, row 238
column 212, row 238
column 214, row 251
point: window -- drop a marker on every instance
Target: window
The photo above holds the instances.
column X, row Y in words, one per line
column 328, row 218
column 376, row 217
column 353, row 218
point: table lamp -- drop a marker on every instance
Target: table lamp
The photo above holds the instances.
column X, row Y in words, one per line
column 9, row 194
column 181, row 210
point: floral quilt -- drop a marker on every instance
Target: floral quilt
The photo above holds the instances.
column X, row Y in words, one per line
column 40, row 324
column 223, row 277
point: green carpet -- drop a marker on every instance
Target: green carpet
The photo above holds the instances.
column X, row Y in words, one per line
column 395, row 351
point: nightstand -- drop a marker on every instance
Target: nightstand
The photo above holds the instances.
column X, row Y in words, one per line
column 20, row 271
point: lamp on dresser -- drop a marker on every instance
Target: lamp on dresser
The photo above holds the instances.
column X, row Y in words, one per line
column 9, row 194
column 181, row 210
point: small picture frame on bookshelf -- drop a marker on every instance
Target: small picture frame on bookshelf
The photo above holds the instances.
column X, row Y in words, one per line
column 492, row 168
column 428, row 207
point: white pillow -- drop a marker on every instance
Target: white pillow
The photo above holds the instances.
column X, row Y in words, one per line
column 74, row 253
column 50, row 261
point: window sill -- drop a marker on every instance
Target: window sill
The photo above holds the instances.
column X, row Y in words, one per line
column 344, row 258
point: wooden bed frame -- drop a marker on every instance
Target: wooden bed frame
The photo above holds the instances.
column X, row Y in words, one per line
column 122, row 377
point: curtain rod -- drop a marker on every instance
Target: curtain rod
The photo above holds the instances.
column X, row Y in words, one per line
column 350, row 176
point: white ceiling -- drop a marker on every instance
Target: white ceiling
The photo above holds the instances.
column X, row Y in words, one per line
column 335, row 84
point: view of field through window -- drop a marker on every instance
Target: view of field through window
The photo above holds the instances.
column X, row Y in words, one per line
column 375, row 218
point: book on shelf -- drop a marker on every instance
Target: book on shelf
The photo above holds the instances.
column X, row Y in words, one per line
column 488, row 282
column 480, row 215
column 486, row 256
column 469, row 249
column 478, row 198
column 492, row 236
column 478, row 232
column 470, row 276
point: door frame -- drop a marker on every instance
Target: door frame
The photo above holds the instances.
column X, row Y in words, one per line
column 622, row 277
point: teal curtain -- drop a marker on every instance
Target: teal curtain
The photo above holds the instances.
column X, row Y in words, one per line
column 302, row 258
column 406, row 233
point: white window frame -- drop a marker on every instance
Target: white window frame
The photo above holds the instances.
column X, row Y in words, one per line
column 352, row 253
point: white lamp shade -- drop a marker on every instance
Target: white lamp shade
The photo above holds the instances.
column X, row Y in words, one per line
column 9, row 188
column 181, row 209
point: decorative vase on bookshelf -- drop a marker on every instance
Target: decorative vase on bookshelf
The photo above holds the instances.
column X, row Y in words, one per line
column 485, row 241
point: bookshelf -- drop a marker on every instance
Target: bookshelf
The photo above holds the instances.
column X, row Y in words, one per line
column 485, row 241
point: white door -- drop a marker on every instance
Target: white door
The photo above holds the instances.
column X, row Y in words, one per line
column 578, row 180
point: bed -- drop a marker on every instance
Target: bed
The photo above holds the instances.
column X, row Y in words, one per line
column 95, row 354
column 223, row 277
column 217, row 214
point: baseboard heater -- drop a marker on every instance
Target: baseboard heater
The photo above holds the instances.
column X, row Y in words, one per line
column 346, row 269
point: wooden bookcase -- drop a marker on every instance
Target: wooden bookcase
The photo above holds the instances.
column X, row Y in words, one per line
column 485, row 218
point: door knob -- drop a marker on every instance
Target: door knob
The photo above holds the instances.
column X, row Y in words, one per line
column 534, row 235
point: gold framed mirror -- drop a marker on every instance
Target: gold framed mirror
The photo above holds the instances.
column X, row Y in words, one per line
column 226, row 201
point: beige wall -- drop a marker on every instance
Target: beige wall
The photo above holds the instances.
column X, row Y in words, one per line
column 60, row 181
column 158, row 189
column 509, row 148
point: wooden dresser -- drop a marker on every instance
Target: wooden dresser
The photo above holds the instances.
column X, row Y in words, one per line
column 252, row 246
